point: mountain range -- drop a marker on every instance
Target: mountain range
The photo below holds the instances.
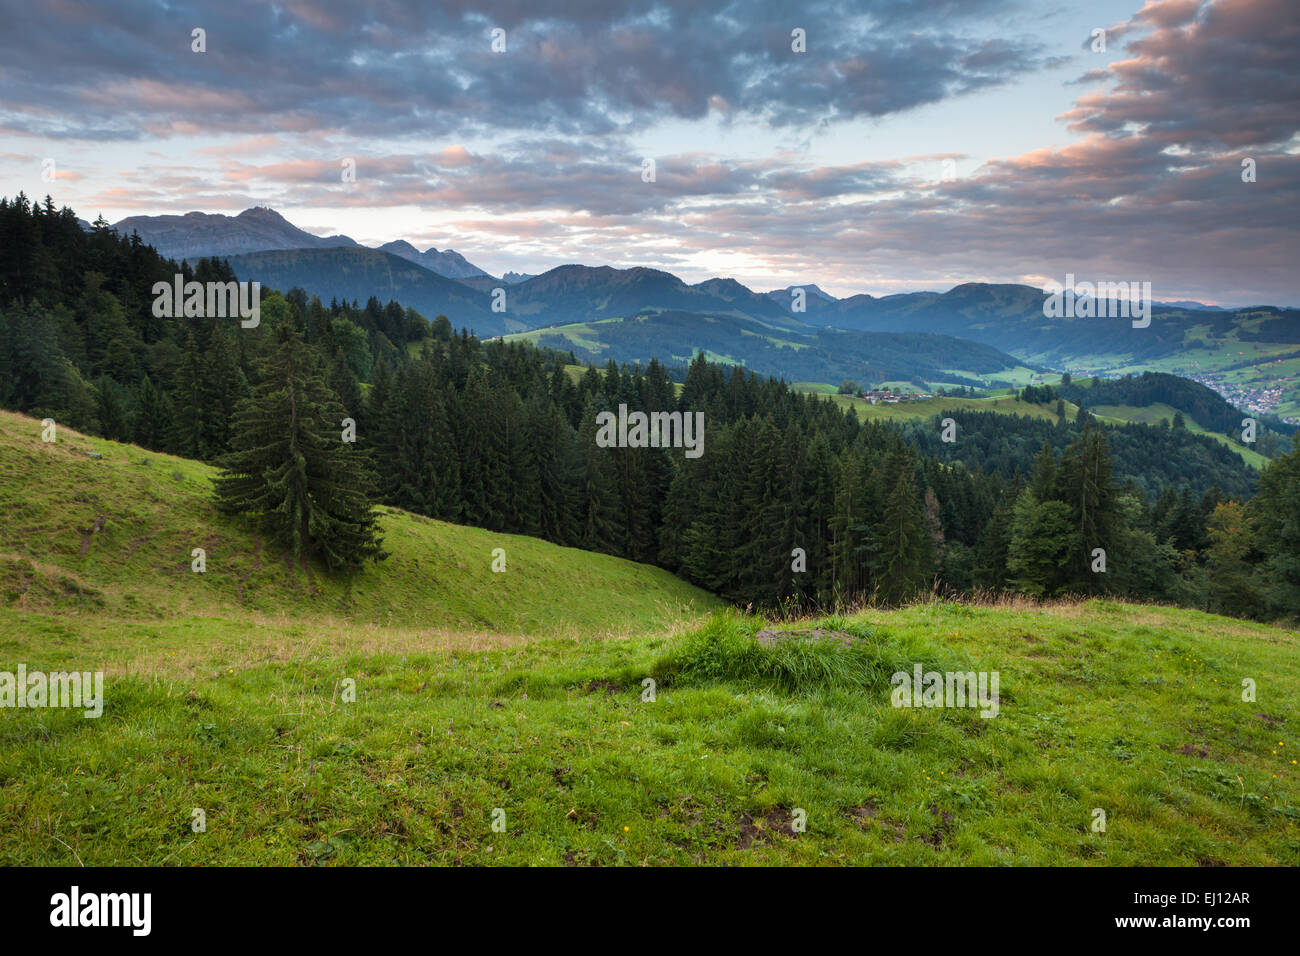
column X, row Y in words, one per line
column 449, row 263
column 198, row 234
column 1250, row 355
column 262, row 229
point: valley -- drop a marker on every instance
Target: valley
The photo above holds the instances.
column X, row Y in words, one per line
column 1248, row 355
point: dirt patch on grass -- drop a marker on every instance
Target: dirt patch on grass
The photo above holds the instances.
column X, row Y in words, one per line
column 868, row 818
column 583, row 818
column 761, row 829
column 137, row 543
column 88, row 533
column 942, row 832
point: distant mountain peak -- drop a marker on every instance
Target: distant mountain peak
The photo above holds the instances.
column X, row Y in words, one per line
column 199, row 234
column 264, row 213
column 728, row 283
column 448, row 262
column 813, row 295
column 261, row 229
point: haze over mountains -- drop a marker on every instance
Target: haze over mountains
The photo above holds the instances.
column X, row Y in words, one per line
column 676, row 319
column 261, row 229
column 449, row 263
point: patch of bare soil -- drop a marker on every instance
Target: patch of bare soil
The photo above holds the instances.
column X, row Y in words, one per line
column 761, row 829
column 88, row 533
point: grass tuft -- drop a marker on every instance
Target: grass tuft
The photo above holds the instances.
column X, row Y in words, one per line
column 724, row 650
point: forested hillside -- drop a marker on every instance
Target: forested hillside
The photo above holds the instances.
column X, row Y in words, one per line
column 1203, row 404
column 360, row 273
column 791, row 500
column 1145, row 458
column 795, row 354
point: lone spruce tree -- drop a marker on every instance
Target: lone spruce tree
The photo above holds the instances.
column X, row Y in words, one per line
column 289, row 468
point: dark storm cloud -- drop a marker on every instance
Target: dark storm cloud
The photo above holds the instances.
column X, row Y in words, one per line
column 126, row 70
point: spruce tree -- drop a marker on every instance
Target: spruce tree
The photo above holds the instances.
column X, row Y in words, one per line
column 550, row 455
column 1276, row 514
column 906, row 549
column 1041, row 546
column 290, row 470
column 1086, row 485
column 153, row 416
column 599, row 523
column 111, row 410
column 192, row 427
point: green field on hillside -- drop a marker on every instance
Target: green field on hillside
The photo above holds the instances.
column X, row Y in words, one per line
column 1160, row 412
column 135, row 574
column 745, row 755
column 1005, row 403
column 398, row 719
column 1021, row 375
column 581, row 335
column 1229, row 364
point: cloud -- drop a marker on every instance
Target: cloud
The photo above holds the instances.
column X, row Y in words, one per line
column 124, row 70
column 532, row 157
column 1214, row 74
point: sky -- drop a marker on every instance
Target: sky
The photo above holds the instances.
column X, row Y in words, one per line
column 906, row 146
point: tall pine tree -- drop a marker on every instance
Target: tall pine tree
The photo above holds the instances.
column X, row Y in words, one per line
column 290, row 469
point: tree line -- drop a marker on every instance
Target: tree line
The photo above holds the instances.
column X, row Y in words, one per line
column 794, row 502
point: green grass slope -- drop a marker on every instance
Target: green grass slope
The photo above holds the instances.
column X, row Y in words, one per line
column 133, row 578
column 745, row 754
column 1005, row 402
column 794, row 351
column 923, row 408
column 488, row 698
column 1160, row 412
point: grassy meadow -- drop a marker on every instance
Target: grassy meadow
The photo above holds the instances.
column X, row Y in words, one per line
column 435, row 712
column 1133, row 710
